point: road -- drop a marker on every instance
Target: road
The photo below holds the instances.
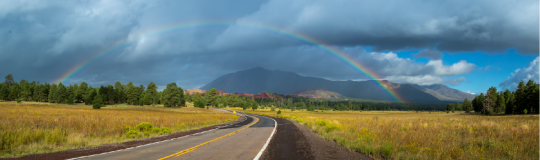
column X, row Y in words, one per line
column 240, row 141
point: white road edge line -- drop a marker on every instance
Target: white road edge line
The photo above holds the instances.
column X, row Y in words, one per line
column 82, row 157
column 267, row 141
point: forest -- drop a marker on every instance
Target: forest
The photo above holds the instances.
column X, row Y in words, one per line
column 522, row 101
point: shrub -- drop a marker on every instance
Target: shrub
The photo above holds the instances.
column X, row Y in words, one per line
column 330, row 128
column 273, row 109
column 156, row 130
column 97, row 103
column 525, row 111
column 146, row 134
column 18, row 100
column 132, row 134
column 145, row 126
column 96, row 106
column 165, row 130
column 198, row 104
column 279, row 112
column 321, row 123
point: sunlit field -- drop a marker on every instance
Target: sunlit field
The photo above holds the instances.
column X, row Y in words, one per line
column 30, row 128
column 423, row 135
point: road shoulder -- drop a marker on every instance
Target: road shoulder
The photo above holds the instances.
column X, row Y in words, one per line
column 291, row 135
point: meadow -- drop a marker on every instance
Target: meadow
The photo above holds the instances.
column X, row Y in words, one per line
column 32, row 128
column 423, row 135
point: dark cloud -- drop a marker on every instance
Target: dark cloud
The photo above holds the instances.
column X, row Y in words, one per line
column 48, row 38
column 435, row 55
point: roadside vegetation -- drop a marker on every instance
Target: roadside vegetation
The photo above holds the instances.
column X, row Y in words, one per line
column 423, row 135
column 32, row 127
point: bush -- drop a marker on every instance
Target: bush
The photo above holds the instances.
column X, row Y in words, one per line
column 132, row 134
column 198, row 104
column 525, row 111
column 96, row 106
column 156, row 130
column 279, row 112
column 145, row 126
column 97, row 103
column 321, row 123
column 18, row 100
column 165, row 130
column 273, row 109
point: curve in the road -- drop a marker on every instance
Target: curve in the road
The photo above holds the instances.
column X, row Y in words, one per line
column 195, row 147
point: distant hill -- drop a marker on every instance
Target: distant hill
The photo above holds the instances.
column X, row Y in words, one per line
column 259, row 80
column 445, row 93
column 318, row 93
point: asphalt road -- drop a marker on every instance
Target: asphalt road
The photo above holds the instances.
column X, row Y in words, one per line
column 240, row 141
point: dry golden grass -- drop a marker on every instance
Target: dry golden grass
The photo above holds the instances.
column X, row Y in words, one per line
column 424, row 135
column 31, row 128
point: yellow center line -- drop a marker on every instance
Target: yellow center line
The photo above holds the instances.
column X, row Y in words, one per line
column 195, row 147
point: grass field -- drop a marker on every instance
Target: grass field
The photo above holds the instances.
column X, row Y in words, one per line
column 30, row 128
column 424, row 135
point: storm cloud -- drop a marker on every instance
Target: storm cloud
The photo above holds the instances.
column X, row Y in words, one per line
column 42, row 40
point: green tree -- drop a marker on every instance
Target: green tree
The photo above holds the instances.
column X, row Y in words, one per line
column 254, row 105
column 467, row 106
column 81, row 92
column 52, row 91
column 131, row 93
column 211, row 97
column 97, row 103
column 509, row 109
column 173, row 96
column 500, row 103
column 152, row 92
column 91, row 95
column 9, row 80
column 197, row 97
column 60, row 93
column 449, row 107
column 458, row 107
column 4, row 92
column 119, row 92
column 479, row 103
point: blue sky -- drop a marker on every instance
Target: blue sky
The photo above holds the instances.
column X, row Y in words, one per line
column 403, row 41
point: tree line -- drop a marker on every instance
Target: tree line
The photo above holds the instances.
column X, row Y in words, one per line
column 171, row 96
column 525, row 99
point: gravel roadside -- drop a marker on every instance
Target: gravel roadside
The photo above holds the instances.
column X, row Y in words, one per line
column 295, row 141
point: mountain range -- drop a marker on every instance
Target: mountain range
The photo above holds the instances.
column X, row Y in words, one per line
column 318, row 93
column 257, row 80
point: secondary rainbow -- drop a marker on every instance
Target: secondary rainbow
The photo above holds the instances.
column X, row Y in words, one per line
column 344, row 57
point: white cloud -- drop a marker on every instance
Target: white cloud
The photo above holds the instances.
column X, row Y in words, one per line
column 462, row 67
column 524, row 74
column 426, row 80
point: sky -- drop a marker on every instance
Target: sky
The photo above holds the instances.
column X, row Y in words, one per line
column 466, row 45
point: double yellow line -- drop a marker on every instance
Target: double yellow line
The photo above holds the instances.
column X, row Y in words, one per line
column 195, row 147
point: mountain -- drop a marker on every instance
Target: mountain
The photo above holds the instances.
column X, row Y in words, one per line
column 257, row 80
column 445, row 93
column 318, row 93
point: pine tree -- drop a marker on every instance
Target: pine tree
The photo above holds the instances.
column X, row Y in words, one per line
column 131, row 93
column 10, row 80
column 60, row 93
column 91, row 95
column 467, row 106
column 211, row 97
column 81, row 92
column 52, row 91
column 4, row 92
column 152, row 92
column 173, row 96
column 500, row 103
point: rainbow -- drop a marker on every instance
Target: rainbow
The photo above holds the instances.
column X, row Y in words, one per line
column 345, row 58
